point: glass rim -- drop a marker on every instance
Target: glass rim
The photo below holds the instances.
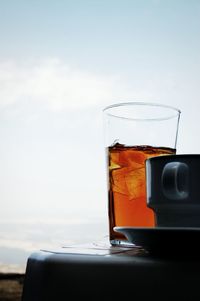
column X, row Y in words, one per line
column 138, row 103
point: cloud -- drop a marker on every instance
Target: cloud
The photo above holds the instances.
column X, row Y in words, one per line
column 54, row 83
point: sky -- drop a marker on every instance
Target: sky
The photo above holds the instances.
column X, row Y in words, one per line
column 61, row 63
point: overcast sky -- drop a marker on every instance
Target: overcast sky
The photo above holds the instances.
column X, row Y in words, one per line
column 61, row 63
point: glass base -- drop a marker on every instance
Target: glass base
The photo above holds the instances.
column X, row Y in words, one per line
column 122, row 243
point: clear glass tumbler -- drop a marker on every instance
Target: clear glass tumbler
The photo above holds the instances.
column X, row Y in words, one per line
column 134, row 131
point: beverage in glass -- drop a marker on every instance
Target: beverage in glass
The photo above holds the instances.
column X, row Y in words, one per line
column 134, row 132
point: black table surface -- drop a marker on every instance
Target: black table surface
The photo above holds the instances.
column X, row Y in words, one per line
column 94, row 272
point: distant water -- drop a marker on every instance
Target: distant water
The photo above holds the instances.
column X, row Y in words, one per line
column 18, row 240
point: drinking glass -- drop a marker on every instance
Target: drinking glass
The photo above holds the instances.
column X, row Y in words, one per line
column 134, row 132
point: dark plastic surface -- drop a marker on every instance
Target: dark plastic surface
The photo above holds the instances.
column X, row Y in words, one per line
column 54, row 277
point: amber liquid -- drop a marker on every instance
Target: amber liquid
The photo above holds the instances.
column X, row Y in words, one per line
column 127, row 186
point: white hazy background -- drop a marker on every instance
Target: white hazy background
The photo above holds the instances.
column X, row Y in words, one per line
column 61, row 63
